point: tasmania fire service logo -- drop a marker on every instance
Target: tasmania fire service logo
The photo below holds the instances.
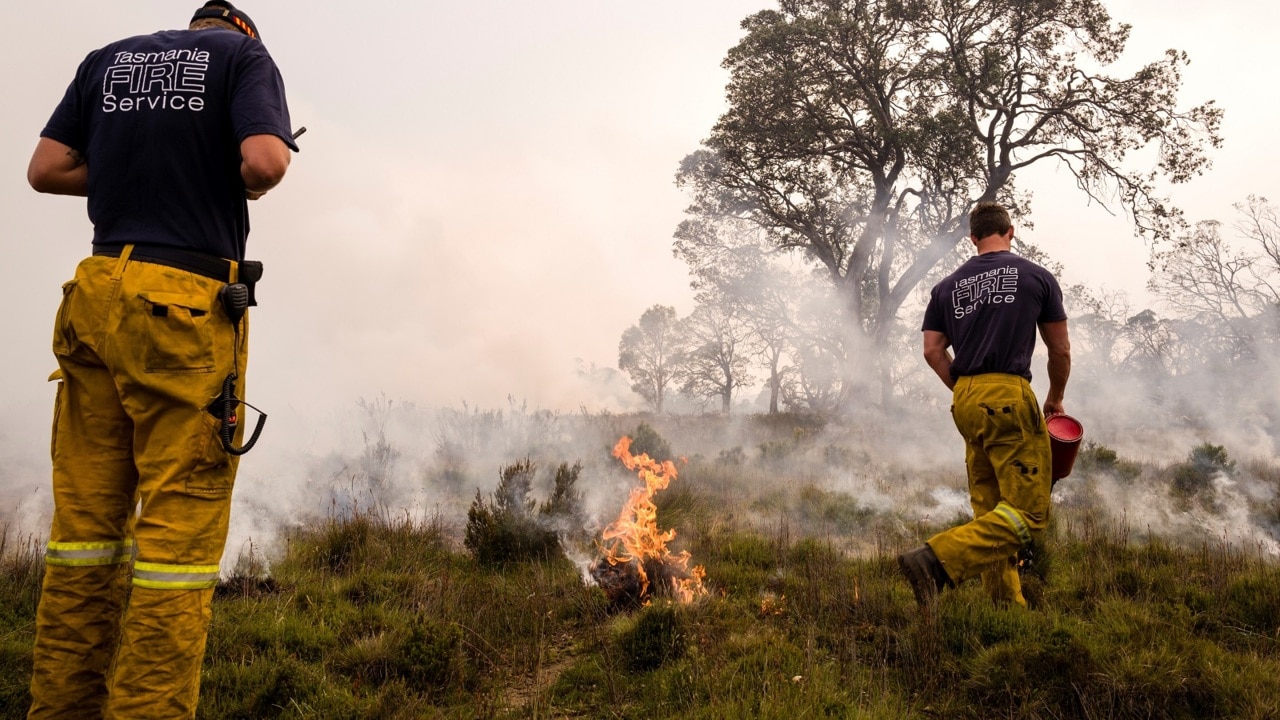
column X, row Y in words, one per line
column 998, row 286
column 172, row 80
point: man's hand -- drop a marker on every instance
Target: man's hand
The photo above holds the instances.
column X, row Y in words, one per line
column 1053, row 408
column 936, row 354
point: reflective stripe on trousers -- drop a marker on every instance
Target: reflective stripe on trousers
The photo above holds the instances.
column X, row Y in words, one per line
column 1010, row 514
column 83, row 554
column 174, row 577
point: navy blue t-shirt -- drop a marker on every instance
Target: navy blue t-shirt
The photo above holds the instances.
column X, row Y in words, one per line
column 990, row 309
column 159, row 119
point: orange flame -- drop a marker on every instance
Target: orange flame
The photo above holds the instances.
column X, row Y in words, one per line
column 634, row 537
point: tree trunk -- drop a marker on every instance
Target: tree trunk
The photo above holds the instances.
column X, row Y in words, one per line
column 775, row 381
column 858, row 361
column 886, row 374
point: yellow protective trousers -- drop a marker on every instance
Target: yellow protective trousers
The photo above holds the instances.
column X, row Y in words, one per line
column 141, row 488
column 1010, row 480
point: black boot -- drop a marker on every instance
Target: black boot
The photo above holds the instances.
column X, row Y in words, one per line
column 924, row 572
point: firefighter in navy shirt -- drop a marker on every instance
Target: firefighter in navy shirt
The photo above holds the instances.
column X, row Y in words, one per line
column 167, row 135
column 989, row 312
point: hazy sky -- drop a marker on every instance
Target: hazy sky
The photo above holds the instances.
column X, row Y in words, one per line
column 485, row 193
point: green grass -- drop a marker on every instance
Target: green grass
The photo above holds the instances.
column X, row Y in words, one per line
column 371, row 616
column 21, row 566
column 375, row 618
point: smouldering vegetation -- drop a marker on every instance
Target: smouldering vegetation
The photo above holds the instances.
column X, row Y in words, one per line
column 375, row 614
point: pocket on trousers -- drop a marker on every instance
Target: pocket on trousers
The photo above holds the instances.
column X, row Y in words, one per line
column 180, row 337
column 64, row 334
column 1001, row 422
column 214, row 472
column 57, row 413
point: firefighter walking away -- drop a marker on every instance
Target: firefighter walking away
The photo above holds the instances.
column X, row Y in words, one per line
column 989, row 312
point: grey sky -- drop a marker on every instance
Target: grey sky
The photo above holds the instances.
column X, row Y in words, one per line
column 486, row 193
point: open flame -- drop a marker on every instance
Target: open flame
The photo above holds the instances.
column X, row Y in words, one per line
column 634, row 551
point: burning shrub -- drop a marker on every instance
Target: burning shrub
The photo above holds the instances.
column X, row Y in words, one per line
column 505, row 527
column 250, row 577
column 647, row 441
column 656, row 638
column 636, row 561
column 630, row 584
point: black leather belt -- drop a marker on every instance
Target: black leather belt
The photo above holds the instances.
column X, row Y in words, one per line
column 210, row 266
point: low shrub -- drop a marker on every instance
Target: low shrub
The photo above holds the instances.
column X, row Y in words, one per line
column 825, row 509
column 431, row 656
column 505, row 528
column 1095, row 458
column 733, row 457
column 1193, row 479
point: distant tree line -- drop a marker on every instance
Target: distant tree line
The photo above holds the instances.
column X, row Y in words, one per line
column 1218, row 305
column 761, row 319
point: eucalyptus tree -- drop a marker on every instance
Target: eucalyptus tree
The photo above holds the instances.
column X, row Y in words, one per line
column 717, row 357
column 860, row 132
column 814, row 381
column 1097, row 329
column 1151, row 345
column 1259, row 225
column 1230, row 288
column 650, row 352
column 734, row 265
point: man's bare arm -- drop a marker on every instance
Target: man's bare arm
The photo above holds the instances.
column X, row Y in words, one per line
column 263, row 162
column 937, row 355
column 58, row 169
column 1058, row 343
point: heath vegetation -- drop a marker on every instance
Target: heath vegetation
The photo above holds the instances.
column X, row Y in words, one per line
column 371, row 613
